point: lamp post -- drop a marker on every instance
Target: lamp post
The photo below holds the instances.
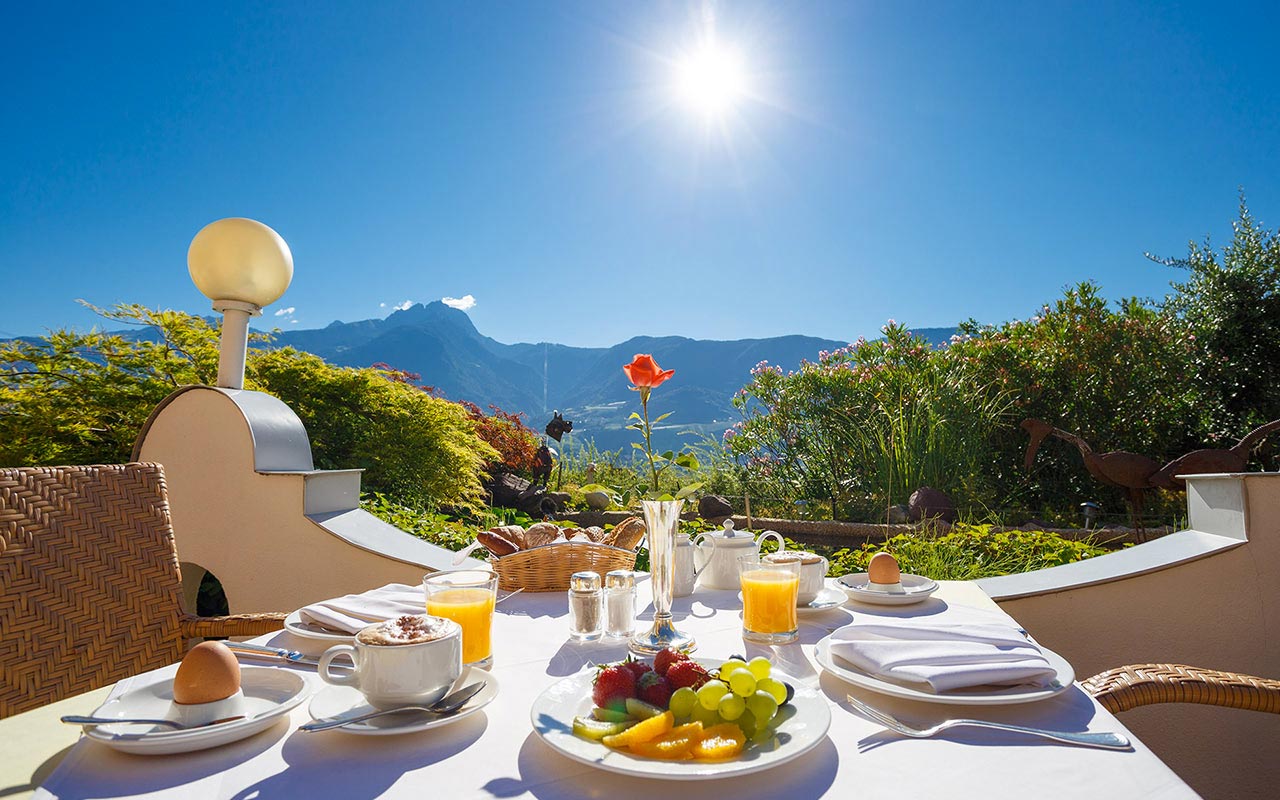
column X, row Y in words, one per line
column 241, row 265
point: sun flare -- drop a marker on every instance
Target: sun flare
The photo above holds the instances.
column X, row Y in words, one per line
column 711, row 80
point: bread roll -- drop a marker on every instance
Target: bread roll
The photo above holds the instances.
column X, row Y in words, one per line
column 626, row 534
column 541, row 533
column 498, row 544
column 512, row 533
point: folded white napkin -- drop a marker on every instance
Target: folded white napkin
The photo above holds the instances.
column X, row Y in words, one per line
column 957, row 648
column 354, row 612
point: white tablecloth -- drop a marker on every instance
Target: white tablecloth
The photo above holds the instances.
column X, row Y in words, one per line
column 495, row 754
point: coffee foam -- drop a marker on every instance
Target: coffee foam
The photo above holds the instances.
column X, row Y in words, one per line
column 408, row 630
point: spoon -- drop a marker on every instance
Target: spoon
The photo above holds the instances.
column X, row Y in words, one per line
column 72, row 719
column 444, row 707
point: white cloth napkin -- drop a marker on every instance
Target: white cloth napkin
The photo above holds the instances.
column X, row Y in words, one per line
column 354, row 612
column 958, row 648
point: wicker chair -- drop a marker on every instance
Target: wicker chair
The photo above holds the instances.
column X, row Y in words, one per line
column 1136, row 685
column 90, row 590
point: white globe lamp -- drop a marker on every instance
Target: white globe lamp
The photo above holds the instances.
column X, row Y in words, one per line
column 241, row 265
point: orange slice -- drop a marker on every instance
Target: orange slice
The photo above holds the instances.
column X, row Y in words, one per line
column 719, row 742
column 644, row 731
column 674, row 745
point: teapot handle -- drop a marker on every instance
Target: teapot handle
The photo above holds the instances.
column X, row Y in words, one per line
column 699, row 543
column 782, row 545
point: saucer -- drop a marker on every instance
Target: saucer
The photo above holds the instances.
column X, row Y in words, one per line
column 269, row 693
column 915, row 589
column 827, row 599
column 338, row 701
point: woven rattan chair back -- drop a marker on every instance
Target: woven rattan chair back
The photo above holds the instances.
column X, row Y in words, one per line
column 90, row 590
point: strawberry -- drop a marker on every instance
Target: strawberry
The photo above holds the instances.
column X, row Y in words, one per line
column 638, row 668
column 663, row 660
column 687, row 673
column 613, row 685
column 654, row 689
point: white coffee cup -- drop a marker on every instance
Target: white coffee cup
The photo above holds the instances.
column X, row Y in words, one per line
column 813, row 573
column 409, row 673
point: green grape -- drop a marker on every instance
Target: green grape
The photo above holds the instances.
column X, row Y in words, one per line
column 730, row 666
column 731, row 707
column 762, row 706
column 743, row 683
column 682, row 701
column 747, row 722
column 774, row 687
column 711, row 692
column 759, row 667
column 707, row 716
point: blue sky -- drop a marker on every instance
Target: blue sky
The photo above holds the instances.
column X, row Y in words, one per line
column 923, row 161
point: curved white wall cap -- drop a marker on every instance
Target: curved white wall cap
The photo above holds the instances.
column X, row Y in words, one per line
column 280, row 442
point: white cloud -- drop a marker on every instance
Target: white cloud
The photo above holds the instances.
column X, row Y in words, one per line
column 286, row 312
column 461, row 303
column 382, row 305
column 403, row 306
column 293, row 322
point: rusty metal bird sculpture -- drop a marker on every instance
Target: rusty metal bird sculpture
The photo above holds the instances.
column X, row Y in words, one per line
column 1199, row 462
column 1120, row 468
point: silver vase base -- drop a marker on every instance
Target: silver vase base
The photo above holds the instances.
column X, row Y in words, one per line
column 651, row 642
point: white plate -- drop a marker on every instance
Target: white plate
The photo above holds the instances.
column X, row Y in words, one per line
column 334, row 701
column 980, row 696
column 915, row 589
column 294, row 624
column 553, row 712
column 269, row 694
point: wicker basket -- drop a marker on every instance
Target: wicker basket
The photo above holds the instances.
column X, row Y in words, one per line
column 548, row 568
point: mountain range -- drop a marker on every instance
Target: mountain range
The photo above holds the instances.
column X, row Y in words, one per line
column 586, row 384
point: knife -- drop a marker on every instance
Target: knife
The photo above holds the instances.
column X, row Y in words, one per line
column 262, row 651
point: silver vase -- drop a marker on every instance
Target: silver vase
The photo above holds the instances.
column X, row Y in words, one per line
column 662, row 522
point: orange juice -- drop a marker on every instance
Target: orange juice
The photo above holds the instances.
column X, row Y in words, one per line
column 769, row 600
column 473, row 610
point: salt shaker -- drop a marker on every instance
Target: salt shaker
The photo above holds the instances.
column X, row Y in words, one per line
column 620, row 603
column 586, row 607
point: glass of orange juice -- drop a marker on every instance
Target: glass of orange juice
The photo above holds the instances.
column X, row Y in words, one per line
column 467, row 597
column 769, row 591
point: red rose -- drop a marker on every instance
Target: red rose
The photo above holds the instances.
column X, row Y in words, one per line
column 645, row 373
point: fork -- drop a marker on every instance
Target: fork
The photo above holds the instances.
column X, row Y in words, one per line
column 1102, row 739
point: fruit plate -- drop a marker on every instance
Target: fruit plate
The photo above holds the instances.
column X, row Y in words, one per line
column 978, row 696
column 803, row 728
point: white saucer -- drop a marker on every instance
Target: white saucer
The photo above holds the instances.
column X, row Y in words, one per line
column 337, row 701
column 977, row 696
column 826, row 600
column 294, row 624
column 915, row 589
column 269, row 694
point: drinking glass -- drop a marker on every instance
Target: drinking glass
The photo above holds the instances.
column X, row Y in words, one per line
column 467, row 597
column 769, row 591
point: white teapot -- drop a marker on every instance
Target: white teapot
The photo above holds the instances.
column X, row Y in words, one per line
column 716, row 553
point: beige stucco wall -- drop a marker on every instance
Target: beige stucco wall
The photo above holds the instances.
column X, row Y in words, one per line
column 245, row 527
column 1222, row 612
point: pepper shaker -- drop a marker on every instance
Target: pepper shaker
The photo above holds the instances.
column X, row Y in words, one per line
column 620, row 603
column 586, row 607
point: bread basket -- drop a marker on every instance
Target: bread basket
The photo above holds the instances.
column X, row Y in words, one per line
column 549, row 567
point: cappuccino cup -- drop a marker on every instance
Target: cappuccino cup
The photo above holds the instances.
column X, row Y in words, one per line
column 410, row 661
column 813, row 572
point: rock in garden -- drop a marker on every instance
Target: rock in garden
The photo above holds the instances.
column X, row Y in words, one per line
column 713, row 506
column 898, row 515
column 927, row 503
column 600, row 501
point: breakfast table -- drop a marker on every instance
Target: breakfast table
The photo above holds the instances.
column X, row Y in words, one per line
column 495, row 753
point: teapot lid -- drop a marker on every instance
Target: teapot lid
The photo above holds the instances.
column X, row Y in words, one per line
column 728, row 534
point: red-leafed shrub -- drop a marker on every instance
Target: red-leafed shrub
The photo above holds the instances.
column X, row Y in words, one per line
column 517, row 446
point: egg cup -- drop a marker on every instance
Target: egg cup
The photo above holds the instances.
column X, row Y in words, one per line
column 193, row 714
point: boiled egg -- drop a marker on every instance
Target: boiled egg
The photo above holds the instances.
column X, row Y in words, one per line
column 208, row 673
column 883, row 570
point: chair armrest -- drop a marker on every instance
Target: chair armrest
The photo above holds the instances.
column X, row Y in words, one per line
column 1136, row 685
column 194, row 627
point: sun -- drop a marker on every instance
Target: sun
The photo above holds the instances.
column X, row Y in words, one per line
column 711, row 80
